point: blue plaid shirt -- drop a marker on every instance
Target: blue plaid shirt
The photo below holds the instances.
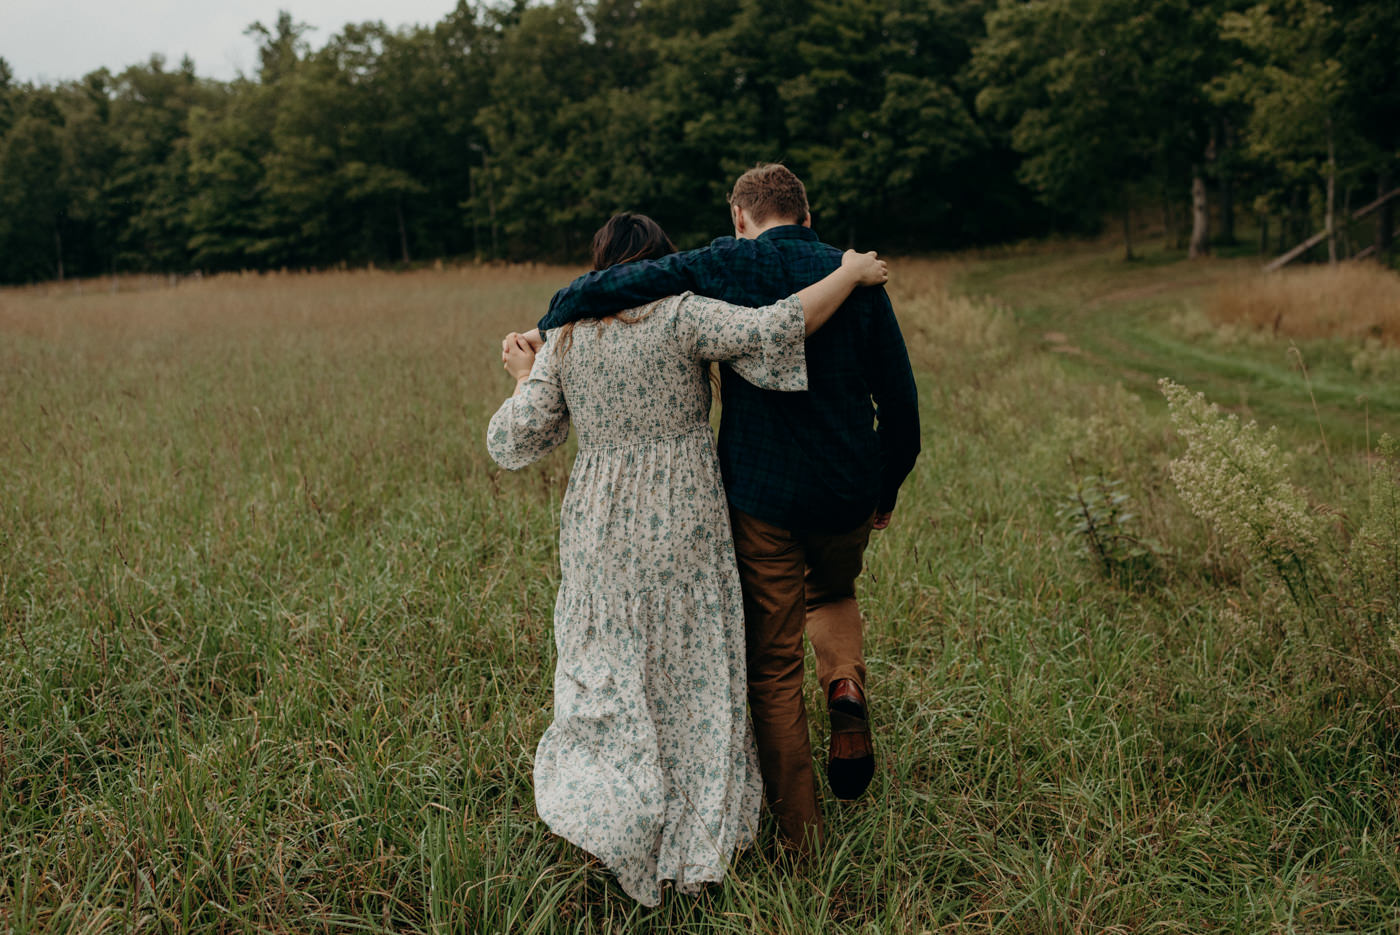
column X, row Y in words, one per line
column 817, row 461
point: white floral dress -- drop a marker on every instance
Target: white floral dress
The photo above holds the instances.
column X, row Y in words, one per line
column 649, row 764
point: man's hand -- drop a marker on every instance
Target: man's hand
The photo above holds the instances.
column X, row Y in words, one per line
column 882, row 520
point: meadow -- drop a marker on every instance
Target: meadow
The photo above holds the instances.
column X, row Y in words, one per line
column 275, row 634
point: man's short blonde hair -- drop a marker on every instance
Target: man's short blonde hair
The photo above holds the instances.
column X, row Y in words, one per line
column 770, row 190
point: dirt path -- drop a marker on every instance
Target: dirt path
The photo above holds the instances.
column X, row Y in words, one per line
column 1111, row 321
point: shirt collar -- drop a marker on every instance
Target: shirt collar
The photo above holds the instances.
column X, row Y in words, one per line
column 788, row 232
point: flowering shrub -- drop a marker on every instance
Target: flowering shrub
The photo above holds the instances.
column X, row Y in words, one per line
column 1233, row 476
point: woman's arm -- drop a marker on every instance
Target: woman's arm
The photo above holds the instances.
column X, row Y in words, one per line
column 765, row 345
column 821, row 299
column 535, row 420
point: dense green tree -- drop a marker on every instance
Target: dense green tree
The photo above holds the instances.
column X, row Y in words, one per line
column 1294, row 87
column 874, row 121
column 341, row 146
column 8, row 93
column 450, row 87
column 1091, row 99
column 232, row 225
column 511, row 129
column 281, row 47
column 90, row 148
column 546, row 67
column 32, row 198
column 1370, row 34
column 149, row 179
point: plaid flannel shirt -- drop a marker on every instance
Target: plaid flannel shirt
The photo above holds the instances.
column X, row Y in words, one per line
column 816, row 461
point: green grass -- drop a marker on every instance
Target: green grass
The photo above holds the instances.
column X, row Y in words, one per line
column 275, row 634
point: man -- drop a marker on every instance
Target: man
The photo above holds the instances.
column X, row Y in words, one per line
column 808, row 476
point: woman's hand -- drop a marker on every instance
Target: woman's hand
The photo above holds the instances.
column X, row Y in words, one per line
column 531, row 337
column 822, row 298
column 869, row 269
column 517, row 356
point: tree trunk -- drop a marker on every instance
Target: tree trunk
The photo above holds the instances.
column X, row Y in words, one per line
column 403, row 231
column 58, row 250
column 1385, row 221
column 1263, row 235
column 1200, row 204
column 476, row 217
column 491, row 208
column 1331, row 196
column 1200, row 216
column 1227, row 209
column 1346, row 222
column 1127, row 227
column 1295, row 226
column 1168, row 221
column 1227, row 188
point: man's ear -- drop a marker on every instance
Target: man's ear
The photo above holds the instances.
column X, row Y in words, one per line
column 807, row 221
column 740, row 222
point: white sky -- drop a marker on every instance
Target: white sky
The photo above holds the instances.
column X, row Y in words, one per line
column 57, row 40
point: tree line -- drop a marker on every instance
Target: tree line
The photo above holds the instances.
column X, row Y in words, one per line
column 511, row 130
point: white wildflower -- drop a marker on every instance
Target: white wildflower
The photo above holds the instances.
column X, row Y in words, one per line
column 1233, row 476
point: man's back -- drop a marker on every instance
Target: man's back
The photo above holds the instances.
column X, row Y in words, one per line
column 805, row 461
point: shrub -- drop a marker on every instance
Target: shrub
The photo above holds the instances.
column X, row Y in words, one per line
column 1098, row 511
column 1233, row 476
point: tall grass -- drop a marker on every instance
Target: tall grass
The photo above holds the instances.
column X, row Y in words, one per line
column 1350, row 300
column 275, row 646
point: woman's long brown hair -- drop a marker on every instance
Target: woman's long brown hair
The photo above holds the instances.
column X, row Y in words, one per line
column 625, row 238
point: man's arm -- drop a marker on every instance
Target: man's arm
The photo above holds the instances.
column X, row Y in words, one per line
column 896, row 403
column 629, row 285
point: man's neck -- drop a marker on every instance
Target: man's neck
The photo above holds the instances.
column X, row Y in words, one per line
column 754, row 232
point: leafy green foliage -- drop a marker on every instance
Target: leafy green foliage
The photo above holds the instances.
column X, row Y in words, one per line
column 512, row 130
column 1100, row 513
column 1291, row 83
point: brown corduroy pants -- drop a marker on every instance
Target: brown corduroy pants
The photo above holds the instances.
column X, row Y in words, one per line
column 795, row 581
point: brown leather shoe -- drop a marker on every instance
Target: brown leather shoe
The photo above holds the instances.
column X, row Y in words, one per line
column 851, row 760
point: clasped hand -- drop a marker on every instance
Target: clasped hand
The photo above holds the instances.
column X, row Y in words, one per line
column 518, row 352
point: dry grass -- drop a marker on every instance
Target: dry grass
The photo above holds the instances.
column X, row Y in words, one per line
column 1352, row 300
column 275, row 641
column 254, row 304
column 941, row 326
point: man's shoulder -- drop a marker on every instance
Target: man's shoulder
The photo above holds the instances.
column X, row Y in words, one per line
column 728, row 247
column 810, row 250
column 715, row 255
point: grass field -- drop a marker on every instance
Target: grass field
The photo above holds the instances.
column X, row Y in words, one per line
column 275, row 633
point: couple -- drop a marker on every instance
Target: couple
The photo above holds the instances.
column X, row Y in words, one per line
column 650, row 761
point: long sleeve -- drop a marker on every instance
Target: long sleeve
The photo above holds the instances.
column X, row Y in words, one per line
column 764, row 345
column 628, row 285
column 896, row 398
column 533, row 422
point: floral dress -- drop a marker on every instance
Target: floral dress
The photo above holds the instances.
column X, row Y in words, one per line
column 649, row 763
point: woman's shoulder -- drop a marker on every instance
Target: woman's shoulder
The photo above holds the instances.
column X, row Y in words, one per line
column 643, row 323
column 658, row 314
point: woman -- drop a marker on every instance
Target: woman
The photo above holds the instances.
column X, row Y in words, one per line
column 649, row 763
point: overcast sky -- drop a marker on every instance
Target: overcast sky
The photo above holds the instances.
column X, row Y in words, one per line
column 56, row 40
